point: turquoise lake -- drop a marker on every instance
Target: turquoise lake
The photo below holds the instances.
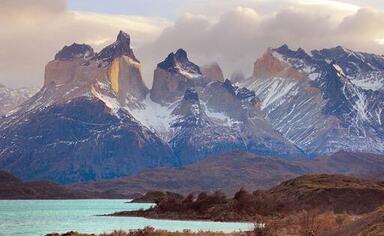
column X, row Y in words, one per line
column 39, row 217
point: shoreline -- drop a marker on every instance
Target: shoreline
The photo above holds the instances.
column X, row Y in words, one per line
column 191, row 220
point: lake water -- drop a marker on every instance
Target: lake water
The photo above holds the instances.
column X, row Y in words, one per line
column 39, row 217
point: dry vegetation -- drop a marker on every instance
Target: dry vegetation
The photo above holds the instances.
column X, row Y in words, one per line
column 309, row 205
column 149, row 231
column 333, row 193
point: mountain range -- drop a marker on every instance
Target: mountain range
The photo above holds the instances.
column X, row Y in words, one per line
column 94, row 118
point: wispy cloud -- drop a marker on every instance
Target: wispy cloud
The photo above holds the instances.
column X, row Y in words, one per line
column 242, row 33
column 33, row 31
column 232, row 32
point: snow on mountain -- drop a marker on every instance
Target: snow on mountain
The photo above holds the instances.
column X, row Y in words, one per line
column 77, row 127
column 371, row 81
column 155, row 116
column 324, row 101
column 94, row 118
column 173, row 76
column 10, row 98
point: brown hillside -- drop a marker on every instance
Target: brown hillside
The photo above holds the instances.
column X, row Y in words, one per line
column 329, row 192
column 232, row 171
column 371, row 224
column 323, row 193
column 13, row 188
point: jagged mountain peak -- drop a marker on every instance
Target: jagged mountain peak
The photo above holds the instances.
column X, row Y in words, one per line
column 75, row 51
column 352, row 62
column 285, row 51
column 334, row 51
column 181, row 55
column 168, row 63
column 228, row 85
column 283, row 47
column 179, row 63
column 121, row 47
column 340, row 88
column 113, row 73
column 275, row 64
column 242, row 93
column 189, row 110
column 124, row 38
column 173, row 76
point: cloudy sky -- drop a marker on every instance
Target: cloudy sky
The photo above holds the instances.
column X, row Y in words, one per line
column 232, row 32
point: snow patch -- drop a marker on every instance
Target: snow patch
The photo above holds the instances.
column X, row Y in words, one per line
column 155, row 116
column 110, row 102
column 339, row 70
column 219, row 117
column 276, row 91
column 373, row 81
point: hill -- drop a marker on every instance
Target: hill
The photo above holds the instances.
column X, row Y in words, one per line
column 334, row 193
column 229, row 172
column 13, row 188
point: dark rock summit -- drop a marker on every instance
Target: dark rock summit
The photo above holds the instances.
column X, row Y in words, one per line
column 179, row 62
column 196, row 136
column 121, row 47
column 75, row 51
column 173, row 77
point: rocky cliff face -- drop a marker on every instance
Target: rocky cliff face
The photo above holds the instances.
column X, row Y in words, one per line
column 324, row 101
column 173, row 76
column 195, row 135
column 77, row 128
column 200, row 116
column 115, row 67
column 213, row 72
column 94, row 118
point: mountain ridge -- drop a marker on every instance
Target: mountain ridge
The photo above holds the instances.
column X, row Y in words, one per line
column 231, row 171
column 295, row 105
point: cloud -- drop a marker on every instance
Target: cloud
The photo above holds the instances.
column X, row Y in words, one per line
column 232, row 32
column 243, row 33
column 33, row 31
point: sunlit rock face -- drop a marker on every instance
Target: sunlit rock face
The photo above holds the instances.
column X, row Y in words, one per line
column 270, row 66
column 213, row 72
column 324, row 101
column 173, row 76
column 115, row 68
column 126, row 79
column 121, row 47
